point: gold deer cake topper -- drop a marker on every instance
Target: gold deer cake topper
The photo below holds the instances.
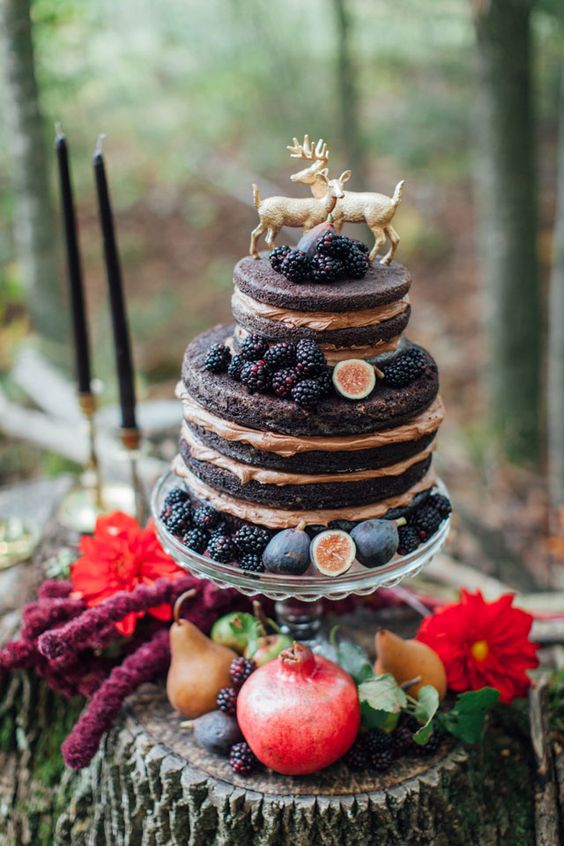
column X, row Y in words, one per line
column 328, row 199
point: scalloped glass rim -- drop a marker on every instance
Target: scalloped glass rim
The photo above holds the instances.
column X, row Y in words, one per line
column 310, row 587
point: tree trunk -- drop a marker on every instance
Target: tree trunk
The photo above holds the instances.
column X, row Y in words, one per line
column 348, row 97
column 555, row 415
column 34, row 228
column 508, row 223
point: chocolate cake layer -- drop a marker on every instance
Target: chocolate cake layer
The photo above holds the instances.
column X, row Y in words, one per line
column 278, row 330
column 316, row 461
column 384, row 408
column 333, row 494
column 257, row 279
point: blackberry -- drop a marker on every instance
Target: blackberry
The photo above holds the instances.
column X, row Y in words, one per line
column 177, row 518
column 235, row 367
column 196, row 538
column 310, row 360
column 240, row 670
column 378, row 742
column 254, row 347
column 277, row 256
column 333, row 245
column 206, row 517
column 307, row 393
column 325, row 268
column 402, row 738
column 356, row 758
column 441, row 504
column 218, row 359
column 325, row 382
column 251, row 538
column 283, row 381
column 175, row 497
column 255, row 376
column 356, row 263
column 227, row 700
column 408, row 540
column 405, row 368
column 221, row 548
column 251, row 562
column 281, row 355
column 242, row 760
column 425, row 520
column 295, row 266
column 382, row 760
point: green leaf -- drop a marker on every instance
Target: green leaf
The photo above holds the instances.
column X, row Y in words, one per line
column 379, row 697
column 426, row 708
column 378, row 719
column 466, row 718
column 353, row 660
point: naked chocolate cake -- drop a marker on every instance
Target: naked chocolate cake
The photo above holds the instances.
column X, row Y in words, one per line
column 309, row 422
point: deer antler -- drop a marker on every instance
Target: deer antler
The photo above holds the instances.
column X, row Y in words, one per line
column 312, row 151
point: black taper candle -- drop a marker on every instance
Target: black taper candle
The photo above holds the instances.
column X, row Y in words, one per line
column 74, row 268
column 119, row 318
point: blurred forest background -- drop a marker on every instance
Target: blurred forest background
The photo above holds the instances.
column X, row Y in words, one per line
column 462, row 99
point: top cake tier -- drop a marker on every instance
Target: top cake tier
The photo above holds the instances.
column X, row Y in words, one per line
column 363, row 318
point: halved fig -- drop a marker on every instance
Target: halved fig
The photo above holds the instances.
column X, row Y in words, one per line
column 333, row 552
column 354, row 378
column 308, row 241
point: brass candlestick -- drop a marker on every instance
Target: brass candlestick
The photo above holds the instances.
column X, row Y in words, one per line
column 92, row 495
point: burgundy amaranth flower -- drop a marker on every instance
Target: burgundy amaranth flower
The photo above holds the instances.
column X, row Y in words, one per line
column 145, row 664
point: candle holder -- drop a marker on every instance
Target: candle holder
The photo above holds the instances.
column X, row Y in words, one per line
column 92, row 496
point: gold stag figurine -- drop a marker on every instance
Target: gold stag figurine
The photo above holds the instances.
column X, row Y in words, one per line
column 376, row 210
column 276, row 212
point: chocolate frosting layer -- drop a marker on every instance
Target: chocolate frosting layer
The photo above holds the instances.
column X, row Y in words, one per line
column 279, row 518
column 225, row 398
column 380, row 285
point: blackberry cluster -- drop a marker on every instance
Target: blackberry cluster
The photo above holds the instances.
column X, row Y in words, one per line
column 256, row 376
column 235, row 367
column 177, row 517
column 405, row 368
column 196, row 538
column 227, row 700
column 330, row 258
column 310, row 360
column 296, row 266
column 380, row 749
column 425, row 520
column 254, row 347
column 408, row 540
column 242, row 760
column 176, row 496
column 218, row 359
column 251, row 539
column 221, row 548
column 356, row 758
column 281, row 355
column 251, row 562
column 307, row 393
column 441, row 504
column 240, row 670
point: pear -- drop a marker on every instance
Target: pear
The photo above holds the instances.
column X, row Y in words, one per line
column 409, row 659
column 199, row 668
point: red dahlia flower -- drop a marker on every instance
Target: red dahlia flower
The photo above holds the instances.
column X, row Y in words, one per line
column 483, row 644
column 119, row 556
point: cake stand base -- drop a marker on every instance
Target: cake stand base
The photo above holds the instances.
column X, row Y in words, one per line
column 302, row 620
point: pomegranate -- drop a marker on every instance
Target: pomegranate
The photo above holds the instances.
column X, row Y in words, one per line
column 299, row 713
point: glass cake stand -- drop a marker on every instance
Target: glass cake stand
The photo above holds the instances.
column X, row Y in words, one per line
column 298, row 599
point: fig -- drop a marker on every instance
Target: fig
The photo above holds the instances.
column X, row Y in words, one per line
column 287, row 553
column 268, row 647
column 217, row 732
column 333, row 552
column 354, row 378
column 376, row 541
column 299, row 713
column 308, row 241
